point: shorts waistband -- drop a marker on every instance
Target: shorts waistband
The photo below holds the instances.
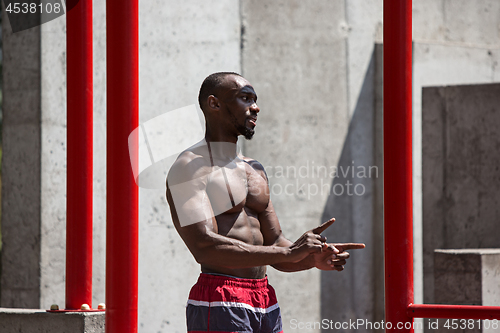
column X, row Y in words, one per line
column 224, row 280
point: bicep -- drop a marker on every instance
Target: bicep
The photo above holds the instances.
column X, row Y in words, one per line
column 190, row 203
column 196, row 228
column 190, row 206
column 186, row 191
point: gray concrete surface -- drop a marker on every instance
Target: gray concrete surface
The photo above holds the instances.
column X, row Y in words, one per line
column 461, row 183
column 40, row 321
column 21, row 192
column 467, row 277
column 53, row 163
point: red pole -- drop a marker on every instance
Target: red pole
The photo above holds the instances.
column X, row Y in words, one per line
column 122, row 35
column 454, row 311
column 398, row 203
column 79, row 155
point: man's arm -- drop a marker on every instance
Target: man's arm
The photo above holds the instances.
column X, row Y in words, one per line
column 331, row 257
column 201, row 236
column 272, row 233
column 208, row 247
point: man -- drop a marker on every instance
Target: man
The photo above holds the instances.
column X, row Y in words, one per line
column 221, row 207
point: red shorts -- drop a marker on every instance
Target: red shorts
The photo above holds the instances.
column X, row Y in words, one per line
column 223, row 304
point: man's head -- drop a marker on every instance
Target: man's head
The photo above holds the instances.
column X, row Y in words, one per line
column 229, row 102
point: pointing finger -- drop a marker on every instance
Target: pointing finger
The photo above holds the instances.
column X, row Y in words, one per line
column 349, row 246
column 323, row 227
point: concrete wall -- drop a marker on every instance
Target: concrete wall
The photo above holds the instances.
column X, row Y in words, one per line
column 461, row 183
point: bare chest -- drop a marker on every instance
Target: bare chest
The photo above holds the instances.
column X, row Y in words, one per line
column 237, row 187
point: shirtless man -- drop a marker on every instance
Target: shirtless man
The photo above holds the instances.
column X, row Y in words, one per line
column 221, row 208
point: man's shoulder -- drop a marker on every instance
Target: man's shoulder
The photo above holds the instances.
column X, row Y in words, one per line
column 256, row 165
column 190, row 164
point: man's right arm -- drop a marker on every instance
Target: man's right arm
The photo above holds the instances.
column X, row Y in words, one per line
column 210, row 248
column 195, row 222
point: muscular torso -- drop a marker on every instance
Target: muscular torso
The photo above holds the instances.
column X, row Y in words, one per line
column 237, row 214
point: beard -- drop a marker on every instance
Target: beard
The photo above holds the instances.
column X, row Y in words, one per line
column 242, row 129
column 245, row 131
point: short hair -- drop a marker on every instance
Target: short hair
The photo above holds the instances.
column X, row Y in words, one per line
column 211, row 84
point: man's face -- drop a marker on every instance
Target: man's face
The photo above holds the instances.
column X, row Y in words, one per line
column 241, row 105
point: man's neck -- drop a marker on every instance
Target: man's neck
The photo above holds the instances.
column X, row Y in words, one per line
column 222, row 150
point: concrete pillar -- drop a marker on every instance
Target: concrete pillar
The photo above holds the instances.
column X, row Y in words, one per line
column 461, row 183
column 21, row 167
column 467, row 277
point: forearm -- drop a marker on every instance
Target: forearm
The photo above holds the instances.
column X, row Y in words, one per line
column 232, row 253
column 304, row 264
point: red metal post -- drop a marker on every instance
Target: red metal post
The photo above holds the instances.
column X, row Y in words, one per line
column 79, row 154
column 398, row 233
column 122, row 35
column 454, row 311
column 398, row 205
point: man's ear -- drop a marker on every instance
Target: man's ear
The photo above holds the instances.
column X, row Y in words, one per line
column 213, row 102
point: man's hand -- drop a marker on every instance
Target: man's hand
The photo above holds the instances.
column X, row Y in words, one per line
column 328, row 261
column 311, row 250
column 311, row 242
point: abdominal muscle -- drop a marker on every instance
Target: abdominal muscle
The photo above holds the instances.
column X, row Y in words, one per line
column 243, row 225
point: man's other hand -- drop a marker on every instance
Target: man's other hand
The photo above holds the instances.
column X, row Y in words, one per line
column 311, row 242
column 328, row 260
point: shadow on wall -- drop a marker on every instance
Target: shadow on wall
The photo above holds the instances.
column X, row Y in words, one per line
column 355, row 200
